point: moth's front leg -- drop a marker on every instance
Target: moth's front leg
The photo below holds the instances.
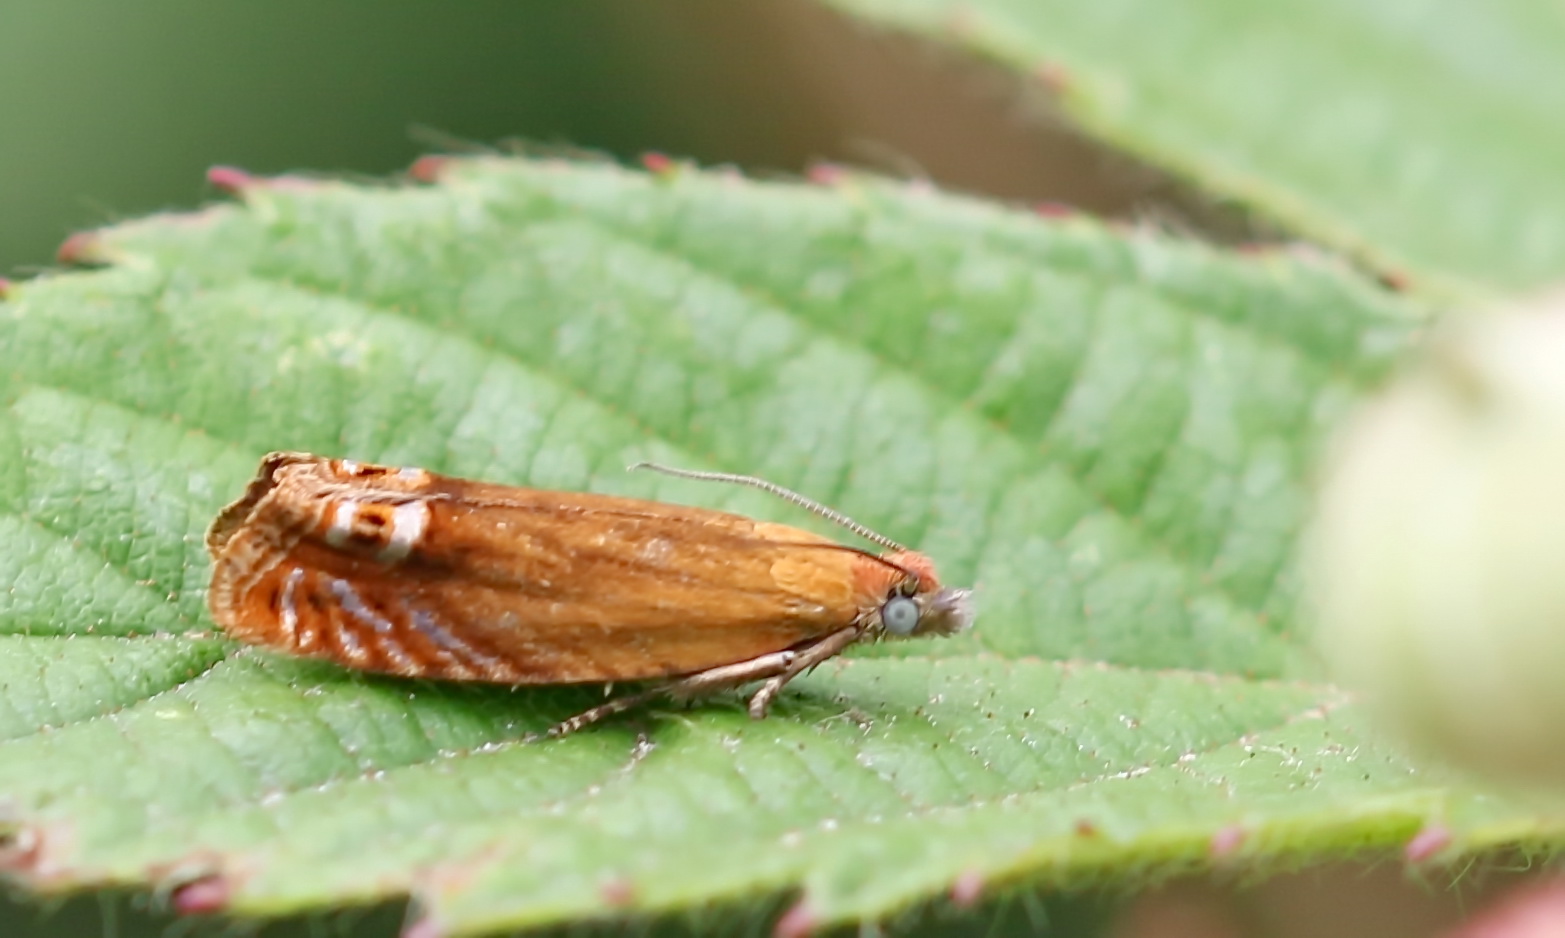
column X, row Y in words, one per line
column 804, row 659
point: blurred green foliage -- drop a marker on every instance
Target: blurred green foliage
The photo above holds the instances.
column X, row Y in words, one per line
column 113, row 110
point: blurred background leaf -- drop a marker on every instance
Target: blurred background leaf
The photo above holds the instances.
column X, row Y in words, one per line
column 116, row 112
column 1422, row 137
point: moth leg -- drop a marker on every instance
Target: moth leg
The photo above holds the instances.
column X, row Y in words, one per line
column 805, row 659
column 701, row 683
column 602, row 712
column 728, row 676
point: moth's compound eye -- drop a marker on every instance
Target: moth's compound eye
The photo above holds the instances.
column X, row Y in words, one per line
column 899, row 615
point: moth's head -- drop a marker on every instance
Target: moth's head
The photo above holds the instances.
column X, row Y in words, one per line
column 917, row 605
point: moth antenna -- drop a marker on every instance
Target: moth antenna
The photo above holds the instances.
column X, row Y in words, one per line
column 788, row 495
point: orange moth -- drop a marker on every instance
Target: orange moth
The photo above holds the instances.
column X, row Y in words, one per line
column 407, row 572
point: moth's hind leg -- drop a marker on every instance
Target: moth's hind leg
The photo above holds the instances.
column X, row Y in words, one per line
column 711, row 681
column 601, row 712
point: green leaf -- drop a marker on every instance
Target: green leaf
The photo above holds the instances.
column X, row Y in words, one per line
column 1108, row 434
column 1420, row 135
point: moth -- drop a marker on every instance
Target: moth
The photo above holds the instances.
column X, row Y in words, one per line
column 407, row 572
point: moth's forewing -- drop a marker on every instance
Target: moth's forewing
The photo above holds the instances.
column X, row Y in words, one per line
column 489, row 582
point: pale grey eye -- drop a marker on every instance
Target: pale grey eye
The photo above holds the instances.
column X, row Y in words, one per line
column 899, row 615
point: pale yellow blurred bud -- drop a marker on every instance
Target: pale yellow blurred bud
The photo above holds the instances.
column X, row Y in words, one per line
column 1438, row 556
